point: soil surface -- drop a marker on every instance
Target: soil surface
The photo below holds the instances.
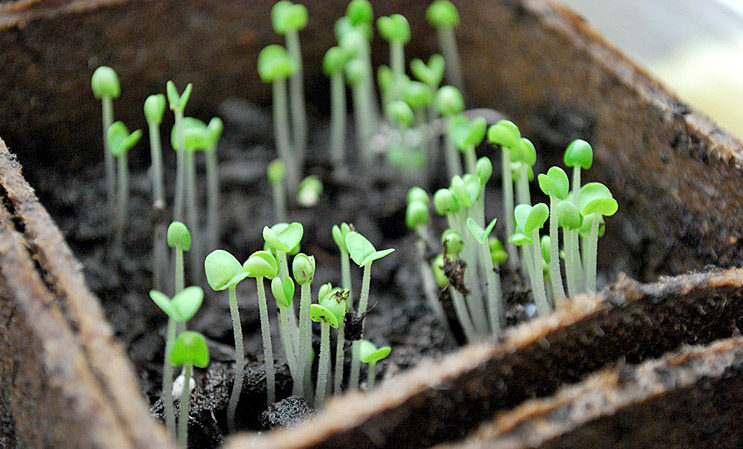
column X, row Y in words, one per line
column 372, row 199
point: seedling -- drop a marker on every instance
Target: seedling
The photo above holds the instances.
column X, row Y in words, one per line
column 276, row 173
column 289, row 19
column 329, row 313
column 283, row 293
column 105, row 86
column 154, row 108
column 215, row 128
column 556, row 185
column 507, row 136
column 371, row 355
column 467, row 135
column 443, row 15
column 120, row 141
column 396, row 31
column 339, row 233
column 180, row 240
column 260, row 265
column 178, row 105
column 594, row 202
column 525, row 158
column 303, row 268
column 189, row 350
column 309, row 192
column 180, row 309
column 449, row 102
column 578, row 154
column 529, row 220
column 568, row 218
column 332, row 65
column 363, row 253
column 275, row 65
column 360, row 16
column 495, row 299
column 224, row 272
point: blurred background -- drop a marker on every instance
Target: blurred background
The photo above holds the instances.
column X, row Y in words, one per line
column 694, row 46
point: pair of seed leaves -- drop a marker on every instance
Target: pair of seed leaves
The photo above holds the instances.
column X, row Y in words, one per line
column 105, row 83
column 394, row 28
column 183, row 306
column 197, row 135
column 362, row 251
column 223, row 270
column 430, row 74
column 467, row 133
column 120, row 140
column 368, row 353
column 449, row 101
column 178, row 101
column 442, row 13
column 287, row 16
column 275, row 63
column 190, row 348
column 332, row 305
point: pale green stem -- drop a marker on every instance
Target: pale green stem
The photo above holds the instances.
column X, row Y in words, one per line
column 583, row 249
column 365, row 55
column 540, row 295
column 432, row 140
column 397, row 64
column 122, row 199
column 267, row 346
column 192, row 213
column 337, row 122
column 107, row 113
column 179, row 272
column 279, row 201
column 495, row 300
column 293, row 328
column 305, row 340
column 340, row 356
column 323, row 367
column 157, row 162
column 573, row 266
column 463, row 315
column 159, row 254
column 522, row 188
column 180, row 175
column 370, row 376
column 591, row 251
column 212, row 196
column 296, row 87
column 513, row 255
column 430, row 289
column 281, row 135
column 362, row 129
column 184, row 406
column 576, row 184
column 168, row 379
column 453, row 162
column 470, row 160
column 286, row 342
column 346, row 280
column 239, row 360
column 558, row 289
column 448, row 44
column 475, row 302
column 353, row 382
column 159, row 242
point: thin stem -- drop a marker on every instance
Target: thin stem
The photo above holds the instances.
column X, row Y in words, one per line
column 513, row 257
column 291, row 314
column 370, row 376
column 495, row 300
column 296, row 87
column 361, row 120
column 122, row 199
column 470, row 160
column 448, row 44
column 463, row 315
column 180, row 175
column 475, row 302
column 576, row 184
column 430, row 289
column 305, row 339
column 555, row 277
column 340, row 355
column 279, row 201
column 397, row 64
column 281, row 135
column 522, row 186
column 107, row 113
column 591, row 254
column 168, row 379
column 432, row 140
column 583, row 250
column 192, row 213
column 346, row 280
column 212, row 197
column 573, row 266
column 540, row 296
column 323, row 366
column 157, row 162
column 338, row 122
column 184, row 406
column 353, row 382
column 179, row 272
column 239, row 360
column 267, row 346
column 453, row 163
column 370, row 94
column 288, row 345
column 159, row 253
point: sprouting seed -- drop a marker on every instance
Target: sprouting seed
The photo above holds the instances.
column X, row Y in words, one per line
column 106, row 87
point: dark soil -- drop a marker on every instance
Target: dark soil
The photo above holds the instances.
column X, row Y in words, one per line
column 371, row 199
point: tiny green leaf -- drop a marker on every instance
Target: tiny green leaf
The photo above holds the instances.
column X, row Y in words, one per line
column 320, row 313
column 595, row 198
column 275, row 63
column 362, row 251
column 449, row 101
column 417, row 95
column 215, row 128
column 399, row 112
column 283, row 236
column 359, row 11
column 309, row 191
column 520, row 239
column 579, row 154
column 195, row 135
column 445, row 202
column 452, row 242
column 303, row 268
column 222, row 270
column 416, row 214
column 276, row 171
column 587, row 222
column 438, row 271
column 154, row 108
column 339, row 234
column 484, row 170
column 555, row 183
column 478, row 233
column 120, row 141
column 162, row 301
column 466, row 189
column 190, row 348
column 568, row 215
column 178, row 101
column 432, row 73
column 283, row 292
column 287, row 16
column 442, row 13
column 544, row 242
column 417, row 194
column 385, row 78
column 261, row 264
column 334, row 61
column 467, row 134
column 497, row 253
column 527, row 152
column 504, row 133
column 186, row 303
column 537, row 217
column 394, row 28
column 105, row 83
column 368, row 353
column 178, row 236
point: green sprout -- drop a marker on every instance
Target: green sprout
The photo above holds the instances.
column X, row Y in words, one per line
column 356, row 75
column 497, row 253
column 453, row 244
column 260, row 265
column 178, row 105
column 505, row 134
column 329, row 313
column 368, row 353
column 189, row 350
column 443, row 15
column 180, row 240
column 439, row 275
column 594, row 202
column 396, row 31
column 578, row 154
column 283, row 293
column 556, row 185
column 339, row 233
column 275, row 65
column 467, row 135
column 495, row 299
column 289, row 19
column 449, row 102
column 333, row 64
column 568, row 218
column 309, row 192
column 529, row 220
column 154, row 108
column 430, row 73
column 303, row 269
column 360, row 16
column 283, row 238
column 180, row 309
column 276, row 173
column 105, row 86
column 120, row 141
column 526, row 157
column 224, row 272
column 363, row 254
column 214, row 129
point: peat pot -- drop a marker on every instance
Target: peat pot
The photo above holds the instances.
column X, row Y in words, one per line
column 652, row 360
